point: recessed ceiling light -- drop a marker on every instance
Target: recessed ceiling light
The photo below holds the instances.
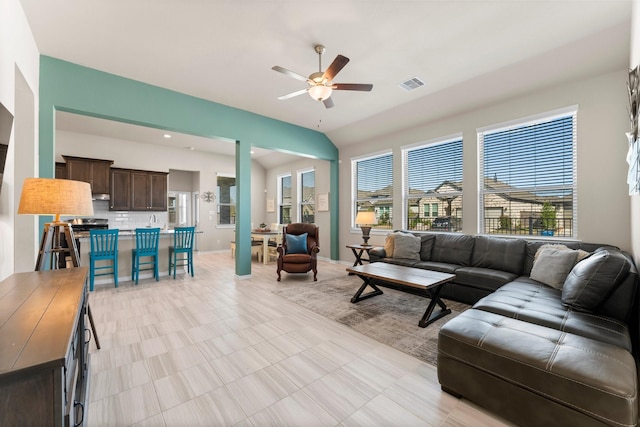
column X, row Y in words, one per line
column 190, row 148
column 252, row 152
column 166, row 135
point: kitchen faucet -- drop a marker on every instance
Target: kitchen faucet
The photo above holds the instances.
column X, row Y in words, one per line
column 153, row 219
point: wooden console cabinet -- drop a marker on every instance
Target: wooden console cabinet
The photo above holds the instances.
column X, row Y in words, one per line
column 44, row 360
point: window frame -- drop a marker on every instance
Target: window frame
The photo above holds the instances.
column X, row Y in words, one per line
column 537, row 119
column 280, row 195
column 219, row 204
column 449, row 139
column 354, row 192
column 301, row 202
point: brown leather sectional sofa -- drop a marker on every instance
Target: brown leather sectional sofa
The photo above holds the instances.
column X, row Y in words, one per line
column 519, row 351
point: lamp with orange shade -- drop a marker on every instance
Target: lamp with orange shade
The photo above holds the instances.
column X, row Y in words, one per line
column 49, row 196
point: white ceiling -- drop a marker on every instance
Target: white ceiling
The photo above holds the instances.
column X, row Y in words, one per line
column 469, row 53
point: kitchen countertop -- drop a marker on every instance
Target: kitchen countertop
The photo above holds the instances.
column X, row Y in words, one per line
column 126, row 233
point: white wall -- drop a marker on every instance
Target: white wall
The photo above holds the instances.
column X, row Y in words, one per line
column 603, row 201
column 135, row 155
column 322, row 219
column 19, row 63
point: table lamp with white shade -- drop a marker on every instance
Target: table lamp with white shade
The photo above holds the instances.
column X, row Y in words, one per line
column 365, row 219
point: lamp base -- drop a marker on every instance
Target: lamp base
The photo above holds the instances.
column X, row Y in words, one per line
column 50, row 245
column 365, row 234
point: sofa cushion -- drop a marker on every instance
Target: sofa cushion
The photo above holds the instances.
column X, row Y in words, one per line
column 530, row 301
column 442, row 267
column 499, row 254
column 552, row 266
column 484, row 278
column 480, row 354
column 426, row 246
column 401, row 261
column 406, row 246
column 453, row 249
column 593, row 279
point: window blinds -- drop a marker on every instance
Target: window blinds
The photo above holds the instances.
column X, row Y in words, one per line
column 431, row 166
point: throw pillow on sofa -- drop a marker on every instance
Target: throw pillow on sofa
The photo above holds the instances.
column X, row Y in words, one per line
column 552, row 266
column 389, row 244
column 406, row 246
column 593, row 279
column 581, row 254
column 296, row 244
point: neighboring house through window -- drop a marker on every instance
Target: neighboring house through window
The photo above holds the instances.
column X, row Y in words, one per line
column 226, row 197
column 433, row 185
column 284, row 199
column 372, row 184
column 307, row 196
column 528, row 176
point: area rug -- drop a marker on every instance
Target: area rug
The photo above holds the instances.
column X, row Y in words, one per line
column 391, row 318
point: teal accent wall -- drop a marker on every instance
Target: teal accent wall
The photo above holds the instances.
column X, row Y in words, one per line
column 73, row 88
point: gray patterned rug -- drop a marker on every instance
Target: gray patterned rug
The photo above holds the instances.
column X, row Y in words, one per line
column 391, row 318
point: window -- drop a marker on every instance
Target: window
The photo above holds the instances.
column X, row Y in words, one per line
column 373, row 188
column 307, row 196
column 433, row 185
column 226, row 199
column 528, row 176
column 284, row 199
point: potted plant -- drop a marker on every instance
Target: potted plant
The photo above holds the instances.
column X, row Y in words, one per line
column 263, row 226
column 548, row 216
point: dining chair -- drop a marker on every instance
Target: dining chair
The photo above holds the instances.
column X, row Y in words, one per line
column 182, row 249
column 104, row 247
column 146, row 247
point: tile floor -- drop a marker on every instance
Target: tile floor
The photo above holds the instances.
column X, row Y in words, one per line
column 218, row 350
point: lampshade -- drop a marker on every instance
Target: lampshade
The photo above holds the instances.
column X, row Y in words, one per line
column 366, row 218
column 320, row 92
column 48, row 196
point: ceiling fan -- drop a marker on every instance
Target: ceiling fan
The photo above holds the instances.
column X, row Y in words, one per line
column 321, row 84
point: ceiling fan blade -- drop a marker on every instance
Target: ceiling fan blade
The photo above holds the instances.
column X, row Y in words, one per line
column 328, row 103
column 289, row 73
column 292, row 94
column 352, row 86
column 335, row 67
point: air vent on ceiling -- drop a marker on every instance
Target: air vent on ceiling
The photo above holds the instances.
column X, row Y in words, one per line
column 411, row 84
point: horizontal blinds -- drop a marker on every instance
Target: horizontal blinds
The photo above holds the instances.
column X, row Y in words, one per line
column 535, row 156
column 374, row 177
column 433, row 167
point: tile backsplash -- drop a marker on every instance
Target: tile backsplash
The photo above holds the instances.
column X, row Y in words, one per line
column 128, row 220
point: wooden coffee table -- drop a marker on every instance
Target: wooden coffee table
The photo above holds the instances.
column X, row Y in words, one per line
column 429, row 281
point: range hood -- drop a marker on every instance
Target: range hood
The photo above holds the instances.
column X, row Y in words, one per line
column 100, row 196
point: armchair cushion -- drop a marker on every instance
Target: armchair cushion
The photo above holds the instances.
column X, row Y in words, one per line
column 297, row 244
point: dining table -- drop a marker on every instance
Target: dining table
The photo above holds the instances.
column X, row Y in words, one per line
column 264, row 235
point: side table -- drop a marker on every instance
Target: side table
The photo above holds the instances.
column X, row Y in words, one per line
column 358, row 250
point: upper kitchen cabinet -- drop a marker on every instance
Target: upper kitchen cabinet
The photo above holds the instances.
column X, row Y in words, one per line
column 148, row 191
column 94, row 171
column 120, row 195
column 61, row 170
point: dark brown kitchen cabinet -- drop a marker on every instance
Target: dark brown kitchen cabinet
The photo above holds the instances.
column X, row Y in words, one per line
column 94, row 171
column 120, row 194
column 61, row 170
column 136, row 190
column 148, row 191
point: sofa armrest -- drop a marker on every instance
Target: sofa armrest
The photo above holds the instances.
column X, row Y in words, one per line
column 376, row 254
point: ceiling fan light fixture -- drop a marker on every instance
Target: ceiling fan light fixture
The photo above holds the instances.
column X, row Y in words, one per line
column 320, row 92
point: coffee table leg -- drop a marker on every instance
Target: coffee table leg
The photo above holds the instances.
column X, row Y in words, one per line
column 429, row 316
column 366, row 282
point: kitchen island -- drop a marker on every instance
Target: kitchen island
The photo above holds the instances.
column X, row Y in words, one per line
column 127, row 242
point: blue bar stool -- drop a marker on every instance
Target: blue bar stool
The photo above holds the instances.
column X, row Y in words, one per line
column 146, row 247
column 104, row 247
column 182, row 249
